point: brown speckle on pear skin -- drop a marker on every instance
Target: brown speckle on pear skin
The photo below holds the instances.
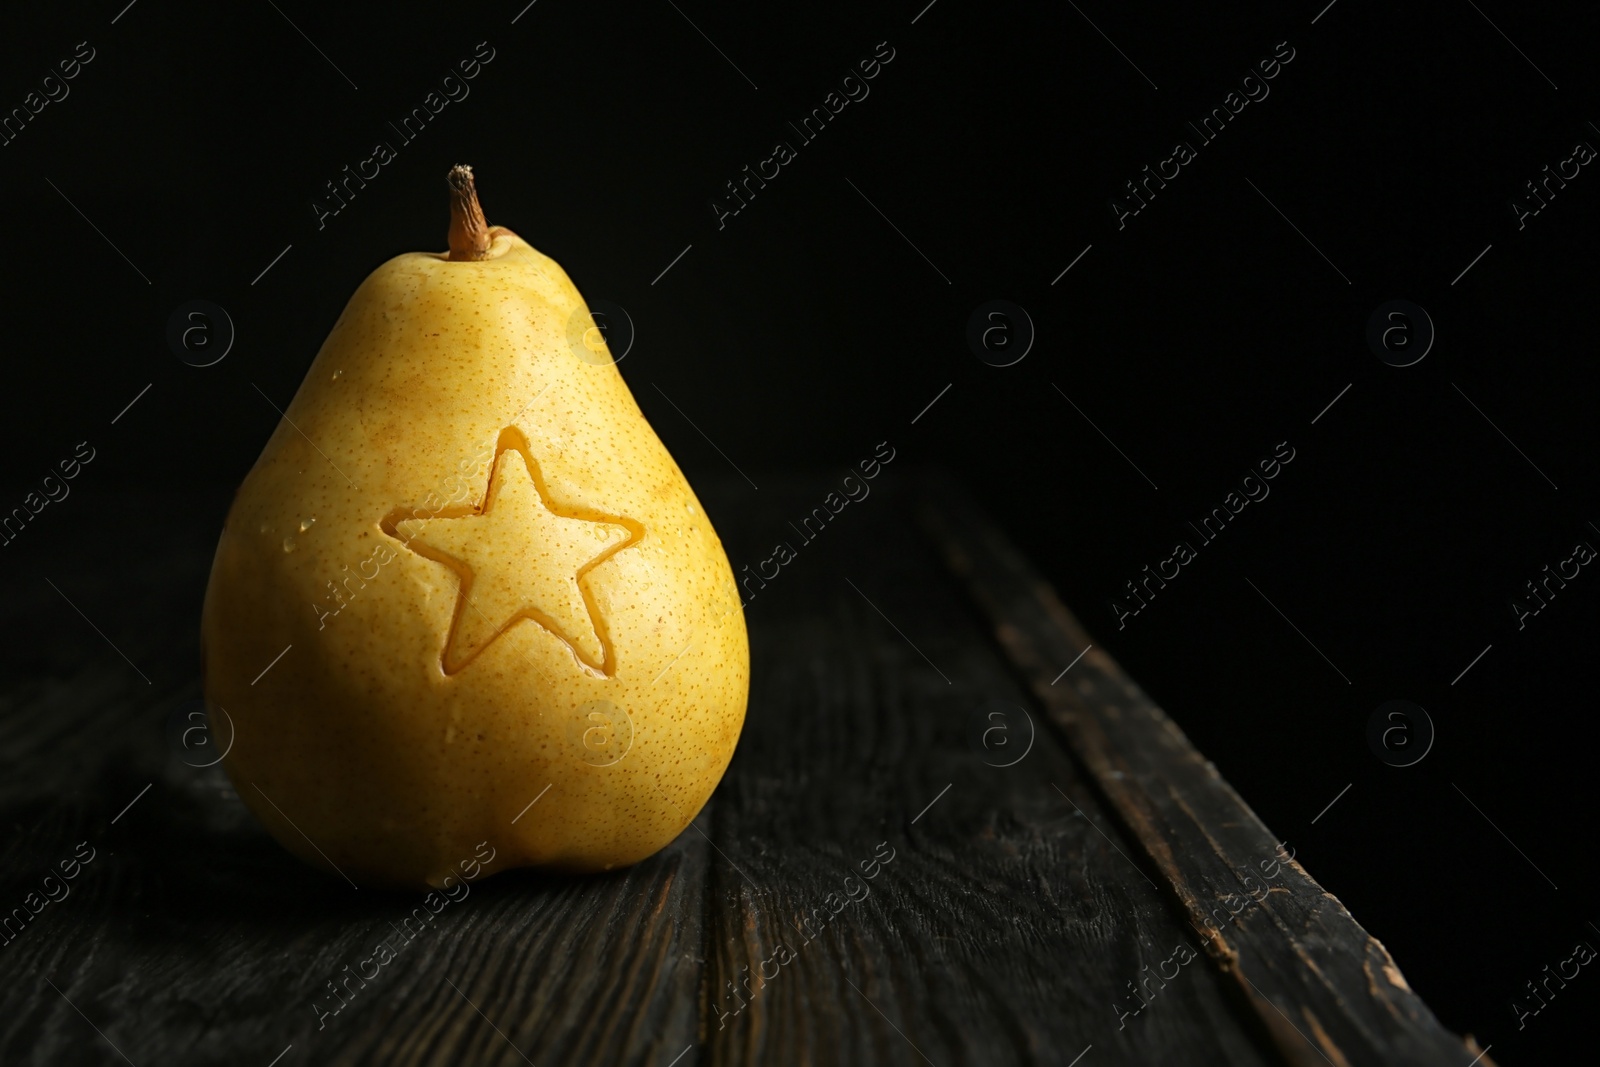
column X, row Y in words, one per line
column 440, row 358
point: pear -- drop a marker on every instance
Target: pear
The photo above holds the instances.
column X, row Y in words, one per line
column 466, row 613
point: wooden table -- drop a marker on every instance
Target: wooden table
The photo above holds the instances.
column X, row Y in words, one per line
column 1056, row 875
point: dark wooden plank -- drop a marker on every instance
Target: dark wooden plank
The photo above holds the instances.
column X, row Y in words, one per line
column 1006, row 929
column 192, row 937
column 1006, row 925
column 600, row 969
column 216, row 948
column 1326, row 990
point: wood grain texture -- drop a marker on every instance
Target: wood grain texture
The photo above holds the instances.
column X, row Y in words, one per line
column 192, row 937
column 1023, row 907
column 1325, row 989
column 1006, row 925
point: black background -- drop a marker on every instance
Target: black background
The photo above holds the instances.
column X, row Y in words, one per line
column 807, row 330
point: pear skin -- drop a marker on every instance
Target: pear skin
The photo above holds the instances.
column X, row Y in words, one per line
column 493, row 609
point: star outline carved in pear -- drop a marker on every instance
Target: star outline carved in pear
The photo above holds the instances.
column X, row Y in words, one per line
column 544, row 552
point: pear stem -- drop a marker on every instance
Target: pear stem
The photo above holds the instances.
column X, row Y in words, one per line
column 469, row 231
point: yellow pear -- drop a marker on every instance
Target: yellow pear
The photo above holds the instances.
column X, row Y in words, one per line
column 466, row 613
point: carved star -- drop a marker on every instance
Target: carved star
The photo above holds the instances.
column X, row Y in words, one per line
column 518, row 557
